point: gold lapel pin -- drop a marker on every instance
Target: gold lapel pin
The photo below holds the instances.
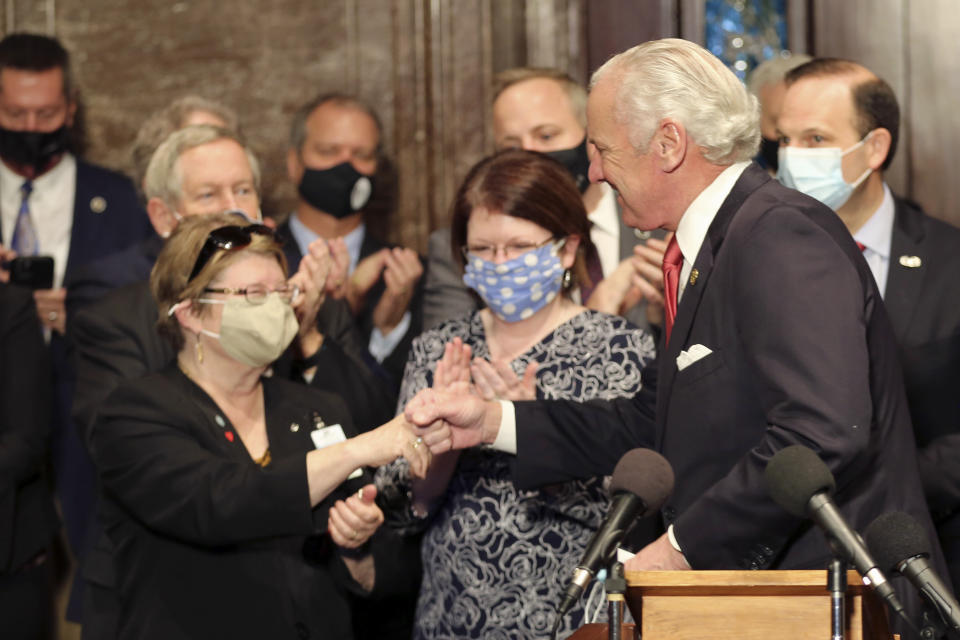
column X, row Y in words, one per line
column 911, row 262
column 98, row 204
column 693, row 276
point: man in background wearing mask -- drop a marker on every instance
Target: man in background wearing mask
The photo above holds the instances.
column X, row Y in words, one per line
column 54, row 204
column 333, row 157
column 767, row 83
column 545, row 110
column 838, row 132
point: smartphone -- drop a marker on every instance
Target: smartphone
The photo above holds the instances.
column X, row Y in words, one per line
column 35, row 272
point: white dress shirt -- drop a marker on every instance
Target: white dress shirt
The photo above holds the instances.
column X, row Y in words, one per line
column 876, row 235
column 51, row 210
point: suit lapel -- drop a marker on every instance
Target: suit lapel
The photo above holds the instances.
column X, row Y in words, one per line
column 81, row 228
column 752, row 178
column 904, row 283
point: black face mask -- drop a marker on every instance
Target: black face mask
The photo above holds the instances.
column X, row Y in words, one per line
column 767, row 158
column 34, row 149
column 576, row 161
column 339, row 191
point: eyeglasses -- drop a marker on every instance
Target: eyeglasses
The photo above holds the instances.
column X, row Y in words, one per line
column 227, row 239
column 509, row 251
column 257, row 293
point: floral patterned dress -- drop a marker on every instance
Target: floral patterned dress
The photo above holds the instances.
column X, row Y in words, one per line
column 496, row 560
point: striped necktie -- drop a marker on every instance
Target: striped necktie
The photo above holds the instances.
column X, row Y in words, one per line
column 24, row 237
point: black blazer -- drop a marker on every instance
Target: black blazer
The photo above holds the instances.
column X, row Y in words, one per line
column 923, row 300
column 28, row 521
column 802, row 352
column 107, row 217
column 208, row 544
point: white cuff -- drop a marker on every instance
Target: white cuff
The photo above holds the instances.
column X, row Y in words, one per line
column 673, row 539
column 506, row 440
column 381, row 345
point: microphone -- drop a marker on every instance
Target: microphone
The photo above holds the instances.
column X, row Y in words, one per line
column 799, row 481
column 642, row 481
column 901, row 544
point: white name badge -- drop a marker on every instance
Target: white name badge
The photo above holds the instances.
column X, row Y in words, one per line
column 330, row 435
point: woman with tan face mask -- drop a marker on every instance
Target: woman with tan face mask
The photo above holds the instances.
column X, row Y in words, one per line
column 236, row 501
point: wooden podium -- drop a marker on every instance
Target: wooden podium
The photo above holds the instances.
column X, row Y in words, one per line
column 742, row 605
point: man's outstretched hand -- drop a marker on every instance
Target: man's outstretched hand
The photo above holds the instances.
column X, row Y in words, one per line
column 453, row 418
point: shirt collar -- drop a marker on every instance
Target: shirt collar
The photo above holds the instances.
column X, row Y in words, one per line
column 12, row 181
column 605, row 216
column 303, row 236
column 698, row 217
column 877, row 232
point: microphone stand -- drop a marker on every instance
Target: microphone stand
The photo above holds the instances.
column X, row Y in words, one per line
column 837, row 586
column 616, row 586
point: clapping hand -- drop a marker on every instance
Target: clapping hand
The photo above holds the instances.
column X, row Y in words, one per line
column 636, row 278
column 496, row 380
column 402, row 271
column 311, row 278
column 337, row 281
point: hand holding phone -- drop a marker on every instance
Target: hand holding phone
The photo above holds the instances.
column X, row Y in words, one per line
column 34, row 272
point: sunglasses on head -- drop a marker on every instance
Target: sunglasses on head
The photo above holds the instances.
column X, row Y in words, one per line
column 227, row 239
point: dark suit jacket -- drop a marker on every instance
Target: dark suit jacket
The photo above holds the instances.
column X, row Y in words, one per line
column 802, row 352
column 445, row 295
column 924, row 306
column 208, row 544
column 28, row 521
column 107, row 217
column 95, row 279
column 394, row 363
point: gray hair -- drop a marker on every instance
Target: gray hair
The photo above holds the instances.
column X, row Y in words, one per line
column 574, row 90
column 681, row 80
column 298, row 128
column 774, row 70
column 160, row 124
column 163, row 178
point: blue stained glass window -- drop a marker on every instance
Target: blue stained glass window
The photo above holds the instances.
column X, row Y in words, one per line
column 744, row 33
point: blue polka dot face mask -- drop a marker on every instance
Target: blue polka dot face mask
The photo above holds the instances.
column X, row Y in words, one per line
column 518, row 288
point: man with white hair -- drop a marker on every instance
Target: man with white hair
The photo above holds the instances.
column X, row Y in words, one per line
column 779, row 336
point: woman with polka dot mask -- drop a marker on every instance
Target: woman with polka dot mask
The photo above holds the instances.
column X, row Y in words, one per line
column 521, row 232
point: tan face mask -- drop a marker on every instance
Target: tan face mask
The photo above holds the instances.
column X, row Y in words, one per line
column 255, row 334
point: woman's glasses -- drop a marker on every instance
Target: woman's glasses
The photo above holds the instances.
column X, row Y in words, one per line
column 510, row 251
column 257, row 293
column 227, row 239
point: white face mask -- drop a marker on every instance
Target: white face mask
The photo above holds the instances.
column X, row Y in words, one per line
column 255, row 334
column 818, row 172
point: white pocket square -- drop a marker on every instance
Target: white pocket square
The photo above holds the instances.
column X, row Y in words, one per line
column 691, row 355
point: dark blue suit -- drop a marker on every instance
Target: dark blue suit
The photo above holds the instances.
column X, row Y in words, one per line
column 803, row 351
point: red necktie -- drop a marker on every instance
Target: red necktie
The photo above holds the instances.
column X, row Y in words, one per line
column 672, row 264
column 860, row 246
